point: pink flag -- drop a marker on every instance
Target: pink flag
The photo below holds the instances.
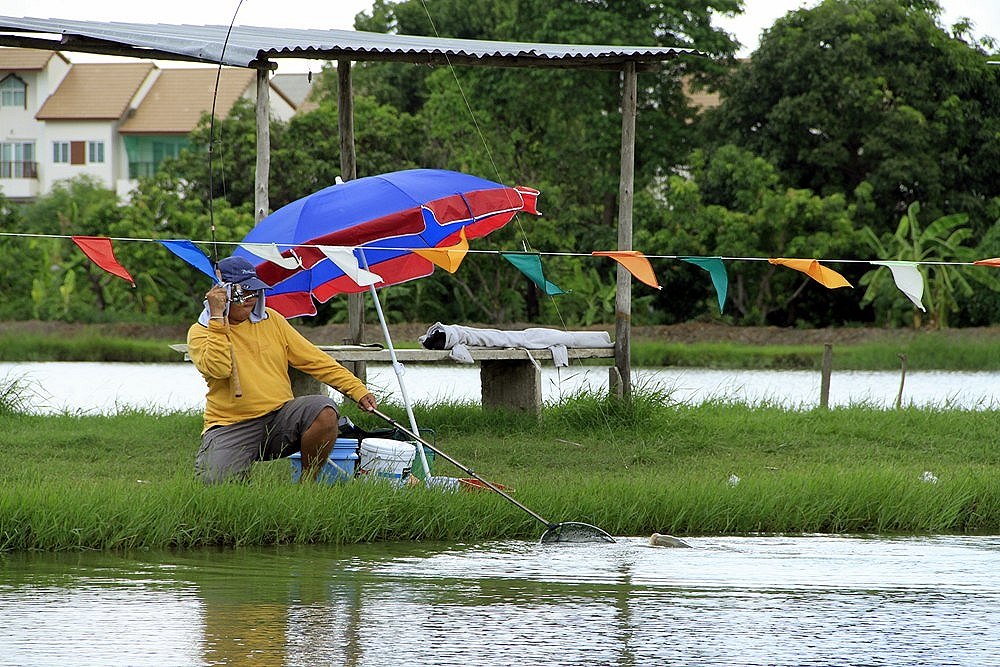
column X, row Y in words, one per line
column 100, row 252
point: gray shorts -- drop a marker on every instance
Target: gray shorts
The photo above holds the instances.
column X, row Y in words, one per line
column 229, row 451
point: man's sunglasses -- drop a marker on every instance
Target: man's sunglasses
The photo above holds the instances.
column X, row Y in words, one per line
column 240, row 295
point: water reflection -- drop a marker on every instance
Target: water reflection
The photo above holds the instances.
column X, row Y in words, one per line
column 730, row 601
column 106, row 388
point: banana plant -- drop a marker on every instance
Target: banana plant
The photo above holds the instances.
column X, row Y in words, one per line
column 943, row 240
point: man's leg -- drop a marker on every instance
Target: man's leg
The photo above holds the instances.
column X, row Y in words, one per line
column 227, row 452
column 317, row 441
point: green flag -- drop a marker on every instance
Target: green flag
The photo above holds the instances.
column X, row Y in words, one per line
column 531, row 266
column 717, row 270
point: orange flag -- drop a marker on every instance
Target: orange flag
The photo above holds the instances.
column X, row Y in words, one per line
column 813, row 269
column 100, row 252
column 447, row 258
column 995, row 261
column 633, row 261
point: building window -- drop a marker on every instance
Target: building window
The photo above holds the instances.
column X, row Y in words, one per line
column 95, row 151
column 12, row 92
column 60, row 152
column 17, row 160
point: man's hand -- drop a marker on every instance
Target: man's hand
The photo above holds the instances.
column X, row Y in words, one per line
column 367, row 403
column 217, row 299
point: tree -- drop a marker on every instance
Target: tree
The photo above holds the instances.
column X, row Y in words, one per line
column 557, row 130
column 875, row 91
column 735, row 205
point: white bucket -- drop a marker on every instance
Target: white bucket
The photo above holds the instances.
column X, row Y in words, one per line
column 382, row 457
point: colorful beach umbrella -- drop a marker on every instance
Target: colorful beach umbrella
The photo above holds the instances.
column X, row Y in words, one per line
column 382, row 220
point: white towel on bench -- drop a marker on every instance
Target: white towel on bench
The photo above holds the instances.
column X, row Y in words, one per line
column 457, row 338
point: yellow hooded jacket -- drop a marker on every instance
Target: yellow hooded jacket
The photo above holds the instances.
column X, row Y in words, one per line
column 263, row 352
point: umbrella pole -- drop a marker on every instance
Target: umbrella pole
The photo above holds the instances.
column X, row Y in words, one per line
column 398, row 369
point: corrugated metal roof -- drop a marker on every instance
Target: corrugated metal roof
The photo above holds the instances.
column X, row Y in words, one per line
column 95, row 91
column 248, row 44
column 178, row 98
column 26, row 60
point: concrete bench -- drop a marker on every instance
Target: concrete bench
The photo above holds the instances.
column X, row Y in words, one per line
column 509, row 377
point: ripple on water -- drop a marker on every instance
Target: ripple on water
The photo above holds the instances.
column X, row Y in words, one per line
column 812, row 600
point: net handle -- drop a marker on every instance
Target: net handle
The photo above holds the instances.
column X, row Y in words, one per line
column 535, row 515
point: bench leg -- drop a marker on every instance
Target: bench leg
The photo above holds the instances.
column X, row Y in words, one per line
column 304, row 384
column 510, row 385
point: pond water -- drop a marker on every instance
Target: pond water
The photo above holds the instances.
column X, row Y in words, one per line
column 811, row 600
column 105, row 388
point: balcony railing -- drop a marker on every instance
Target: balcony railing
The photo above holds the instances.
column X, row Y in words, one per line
column 18, row 169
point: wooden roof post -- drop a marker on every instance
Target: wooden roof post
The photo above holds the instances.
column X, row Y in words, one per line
column 349, row 171
column 262, row 175
column 623, row 295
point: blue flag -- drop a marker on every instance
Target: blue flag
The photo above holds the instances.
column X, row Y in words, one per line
column 191, row 254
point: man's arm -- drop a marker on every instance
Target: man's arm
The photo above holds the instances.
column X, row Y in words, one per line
column 308, row 358
column 209, row 349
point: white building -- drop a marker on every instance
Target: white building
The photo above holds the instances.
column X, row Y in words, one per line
column 113, row 121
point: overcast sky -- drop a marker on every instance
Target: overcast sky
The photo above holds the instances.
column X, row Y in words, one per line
column 327, row 14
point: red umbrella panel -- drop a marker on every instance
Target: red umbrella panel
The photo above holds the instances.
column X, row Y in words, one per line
column 383, row 218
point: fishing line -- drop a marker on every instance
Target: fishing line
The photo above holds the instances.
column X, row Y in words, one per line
column 211, row 135
column 486, row 147
column 540, row 253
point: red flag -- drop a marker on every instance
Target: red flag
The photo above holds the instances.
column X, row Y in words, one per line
column 100, row 252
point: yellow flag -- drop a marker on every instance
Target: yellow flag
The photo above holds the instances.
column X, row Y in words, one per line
column 447, row 258
column 816, row 271
column 633, row 261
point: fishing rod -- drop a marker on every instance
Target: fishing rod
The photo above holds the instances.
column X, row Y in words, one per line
column 567, row 531
column 211, row 134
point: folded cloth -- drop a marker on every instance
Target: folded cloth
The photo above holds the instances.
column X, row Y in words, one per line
column 457, row 338
column 446, row 336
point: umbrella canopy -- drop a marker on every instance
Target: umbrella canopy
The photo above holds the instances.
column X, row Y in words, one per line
column 383, row 218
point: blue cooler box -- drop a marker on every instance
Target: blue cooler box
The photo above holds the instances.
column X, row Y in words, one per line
column 339, row 466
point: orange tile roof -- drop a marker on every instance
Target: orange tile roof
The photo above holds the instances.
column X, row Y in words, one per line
column 180, row 96
column 15, row 59
column 95, row 91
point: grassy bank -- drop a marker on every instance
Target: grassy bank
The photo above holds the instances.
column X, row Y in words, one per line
column 72, row 482
column 927, row 352
column 750, row 348
column 87, row 347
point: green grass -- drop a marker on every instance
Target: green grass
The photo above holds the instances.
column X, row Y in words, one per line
column 126, row 481
column 926, row 352
column 90, row 347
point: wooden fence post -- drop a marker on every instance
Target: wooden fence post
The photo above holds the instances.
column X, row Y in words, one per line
column 824, row 385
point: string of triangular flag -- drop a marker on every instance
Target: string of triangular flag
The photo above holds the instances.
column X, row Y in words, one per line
column 906, row 275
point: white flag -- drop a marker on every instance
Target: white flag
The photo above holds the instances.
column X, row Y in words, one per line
column 348, row 263
column 908, row 279
column 270, row 252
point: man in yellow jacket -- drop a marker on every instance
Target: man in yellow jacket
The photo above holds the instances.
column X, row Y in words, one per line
column 243, row 351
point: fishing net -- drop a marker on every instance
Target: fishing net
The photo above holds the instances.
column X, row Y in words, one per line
column 574, row 531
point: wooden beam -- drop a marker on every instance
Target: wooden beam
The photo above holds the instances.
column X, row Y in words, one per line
column 623, row 294
column 262, row 173
column 348, row 172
